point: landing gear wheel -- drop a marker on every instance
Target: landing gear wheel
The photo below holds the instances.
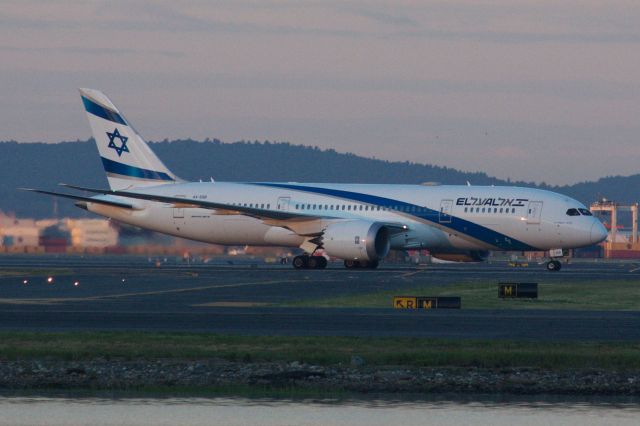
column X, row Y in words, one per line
column 322, row 262
column 351, row 264
column 314, row 262
column 300, row 262
column 553, row 265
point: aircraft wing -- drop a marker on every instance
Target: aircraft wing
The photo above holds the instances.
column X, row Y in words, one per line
column 187, row 203
column 106, row 202
column 302, row 224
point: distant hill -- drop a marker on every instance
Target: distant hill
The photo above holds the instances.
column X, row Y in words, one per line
column 44, row 165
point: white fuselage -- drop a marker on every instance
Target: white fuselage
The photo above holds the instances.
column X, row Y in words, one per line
column 441, row 218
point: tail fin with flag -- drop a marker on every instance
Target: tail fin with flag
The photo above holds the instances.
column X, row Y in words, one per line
column 127, row 159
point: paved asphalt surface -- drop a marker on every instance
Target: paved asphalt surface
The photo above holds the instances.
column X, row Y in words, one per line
column 131, row 293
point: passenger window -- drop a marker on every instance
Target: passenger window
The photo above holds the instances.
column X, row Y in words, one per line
column 585, row 212
column 573, row 212
column 465, row 209
column 483, row 210
column 513, row 210
column 500, row 209
column 268, row 206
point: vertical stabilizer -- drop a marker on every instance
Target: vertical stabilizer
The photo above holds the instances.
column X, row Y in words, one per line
column 127, row 159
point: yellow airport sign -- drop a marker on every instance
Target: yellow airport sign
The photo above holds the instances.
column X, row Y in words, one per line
column 403, row 302
column 424, row 302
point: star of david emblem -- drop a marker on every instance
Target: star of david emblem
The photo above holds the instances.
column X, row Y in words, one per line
column 123, row 140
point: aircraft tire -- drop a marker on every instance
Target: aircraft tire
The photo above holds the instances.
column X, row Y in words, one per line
column 313, row 262
column 322, row 262
column 553, row 265
column 300, row 262
column 351, row 264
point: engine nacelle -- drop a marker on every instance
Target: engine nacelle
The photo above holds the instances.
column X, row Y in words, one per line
column 463, row 256
column 357, row 240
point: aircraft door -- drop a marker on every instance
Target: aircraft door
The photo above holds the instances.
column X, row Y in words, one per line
column 283, row 204
column 445, row 211
column 178, row 212
column 534, row 211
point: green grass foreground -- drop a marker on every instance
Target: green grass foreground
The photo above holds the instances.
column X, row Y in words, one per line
column 586, row 295
column 318, row 350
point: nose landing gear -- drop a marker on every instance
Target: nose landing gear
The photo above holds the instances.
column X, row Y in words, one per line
column 553, row 265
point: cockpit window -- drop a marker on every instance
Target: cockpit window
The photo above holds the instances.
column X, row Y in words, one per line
column 585, row 212
column 573, row 212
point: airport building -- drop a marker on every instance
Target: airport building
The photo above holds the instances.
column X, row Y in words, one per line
column 96, row 233
column 622, row 222
column 91, row 236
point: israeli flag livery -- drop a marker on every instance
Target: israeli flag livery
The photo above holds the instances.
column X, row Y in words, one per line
column 127, row 159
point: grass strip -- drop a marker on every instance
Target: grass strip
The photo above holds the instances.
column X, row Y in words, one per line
column 34, row 272
column 586, row 295
column 319, row 350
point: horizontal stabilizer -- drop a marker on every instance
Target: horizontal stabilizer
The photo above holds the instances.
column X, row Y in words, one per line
column 80, row 198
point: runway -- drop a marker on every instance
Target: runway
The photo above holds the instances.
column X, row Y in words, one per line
column 131, row 293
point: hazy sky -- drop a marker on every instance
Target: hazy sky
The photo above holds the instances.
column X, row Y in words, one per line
column 535, row 90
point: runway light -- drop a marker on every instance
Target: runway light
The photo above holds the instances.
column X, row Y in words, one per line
column 50, row 280
column 123, row 280
column 25, row 282
column 76, row 283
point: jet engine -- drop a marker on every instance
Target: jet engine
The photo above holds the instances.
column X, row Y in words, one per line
column 357, row 240
column 463, row 256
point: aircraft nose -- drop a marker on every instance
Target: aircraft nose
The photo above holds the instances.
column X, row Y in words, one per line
column 598, row 232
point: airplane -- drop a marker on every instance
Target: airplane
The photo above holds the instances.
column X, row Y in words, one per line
column 357, row 223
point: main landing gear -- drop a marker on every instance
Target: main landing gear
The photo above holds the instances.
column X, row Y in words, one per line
column 553, row 265
column 363, row 264
column 309, row 262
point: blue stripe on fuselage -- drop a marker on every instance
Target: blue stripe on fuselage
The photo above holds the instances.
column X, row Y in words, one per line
column 457, row 224
column 123, row 169
column 102, row 112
